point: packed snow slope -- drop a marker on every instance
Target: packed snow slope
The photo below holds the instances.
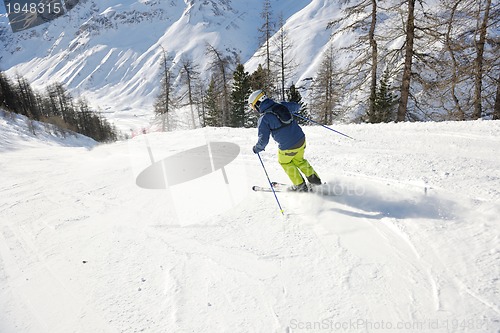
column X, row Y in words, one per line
column 409, row 243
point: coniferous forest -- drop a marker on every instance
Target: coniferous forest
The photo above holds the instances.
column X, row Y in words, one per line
column 446, row 66
column 55, row 106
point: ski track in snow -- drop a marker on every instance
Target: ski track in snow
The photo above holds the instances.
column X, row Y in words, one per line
column 411, row 238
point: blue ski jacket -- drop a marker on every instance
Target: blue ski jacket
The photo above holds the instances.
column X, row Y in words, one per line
column 287, row 136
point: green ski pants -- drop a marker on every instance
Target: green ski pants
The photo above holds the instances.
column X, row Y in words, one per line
column 293, row 162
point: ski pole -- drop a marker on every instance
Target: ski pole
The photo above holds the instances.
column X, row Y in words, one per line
column 271, row 184
column 331, row 129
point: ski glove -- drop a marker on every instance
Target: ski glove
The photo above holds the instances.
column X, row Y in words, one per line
column 256, row 150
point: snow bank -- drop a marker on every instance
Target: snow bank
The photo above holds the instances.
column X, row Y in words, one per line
column 17, row 131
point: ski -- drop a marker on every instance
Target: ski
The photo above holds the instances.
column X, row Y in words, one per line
column 323, row 189
column 278, row 187
column 281, row 187
column 262, row 189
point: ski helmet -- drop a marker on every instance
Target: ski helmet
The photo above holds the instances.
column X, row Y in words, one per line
column 256, row 98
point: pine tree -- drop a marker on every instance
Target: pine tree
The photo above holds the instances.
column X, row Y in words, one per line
column 7, row 93
column 293, row 95
column 27, row 99
column 258, row 78
column 241, row 91
column 92, row 124
column 201, row 104
column 84, row 116
column 384, row 102
column 213, row 114
column 61, row 103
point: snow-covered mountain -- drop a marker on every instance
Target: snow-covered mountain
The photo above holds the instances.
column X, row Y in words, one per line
column 110, row 51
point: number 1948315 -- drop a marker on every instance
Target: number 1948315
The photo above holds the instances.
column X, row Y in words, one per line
column 34, row 8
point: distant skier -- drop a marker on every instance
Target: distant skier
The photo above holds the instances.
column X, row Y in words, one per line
column 276, row 119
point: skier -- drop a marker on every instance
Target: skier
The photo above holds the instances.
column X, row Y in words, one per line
column 277, row 119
